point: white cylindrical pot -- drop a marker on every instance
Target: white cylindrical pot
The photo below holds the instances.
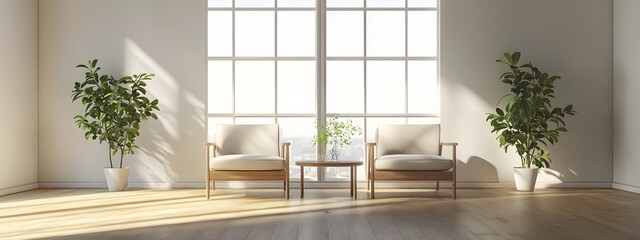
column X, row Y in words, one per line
column 116, row 178
column 525, row 178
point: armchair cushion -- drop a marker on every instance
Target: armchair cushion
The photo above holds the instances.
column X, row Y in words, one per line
column 248, row 139
column 247, row 162
column 413, row 162
column 408, row 139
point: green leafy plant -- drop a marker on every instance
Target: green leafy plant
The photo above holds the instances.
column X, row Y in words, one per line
column 114, row 108
column 336, row 134
column 528, row 121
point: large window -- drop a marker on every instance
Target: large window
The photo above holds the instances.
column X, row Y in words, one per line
column 296, row 62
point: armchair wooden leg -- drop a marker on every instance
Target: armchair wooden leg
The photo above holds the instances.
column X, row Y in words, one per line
column 437, row 186
column 207, row 188
column 454, row 189
column 373, row 189
column 368, row 184
column 286, row 188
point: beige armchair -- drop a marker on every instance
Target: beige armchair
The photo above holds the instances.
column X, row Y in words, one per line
column 410, row 153
column 247, row 152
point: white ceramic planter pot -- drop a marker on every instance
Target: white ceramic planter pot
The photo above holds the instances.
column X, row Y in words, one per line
column 116, row 178
column 525, row 178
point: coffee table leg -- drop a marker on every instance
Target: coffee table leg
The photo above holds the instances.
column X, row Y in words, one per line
column 351, row 182
column 355, row 182
column 301, row 181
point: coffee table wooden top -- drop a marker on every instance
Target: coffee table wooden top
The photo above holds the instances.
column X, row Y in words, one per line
column 329, row 163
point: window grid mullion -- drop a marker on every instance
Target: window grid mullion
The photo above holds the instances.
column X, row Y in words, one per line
column 406, row 61
column 382, row 9
column 233, row 62
column 275, row 62
column 257, row 9
column 321, row 87
column 352, row 115
column 365, row 70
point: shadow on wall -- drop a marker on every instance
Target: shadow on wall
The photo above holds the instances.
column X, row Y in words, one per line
column 156, row 163
column 477, row 165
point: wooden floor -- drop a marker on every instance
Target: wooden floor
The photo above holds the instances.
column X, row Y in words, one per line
column 322, row 214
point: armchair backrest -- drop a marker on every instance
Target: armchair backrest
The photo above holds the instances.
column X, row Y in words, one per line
column 408, row 139
column 248, row 139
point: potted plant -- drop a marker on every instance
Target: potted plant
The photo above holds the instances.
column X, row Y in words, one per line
column 528, row 121
column 114, row 109
column 335, row 135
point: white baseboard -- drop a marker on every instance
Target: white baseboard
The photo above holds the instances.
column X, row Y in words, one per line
column 309, row 184
column 626, row 187
column 17, row 189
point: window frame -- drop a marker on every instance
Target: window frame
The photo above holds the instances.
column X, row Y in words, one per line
column 321, row 60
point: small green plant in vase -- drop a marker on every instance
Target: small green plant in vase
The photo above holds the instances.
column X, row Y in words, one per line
column 335, row 135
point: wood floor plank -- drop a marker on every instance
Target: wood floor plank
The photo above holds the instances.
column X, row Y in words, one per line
column 263, row 229
column 479, row 214
column 286, row 228
column 381, row 221
column 357, row 225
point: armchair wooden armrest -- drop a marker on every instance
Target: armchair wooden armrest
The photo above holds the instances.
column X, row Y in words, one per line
column 370, row 157
column 285, row 152
column 370, row 151
column 211, row 146
column 454, row 145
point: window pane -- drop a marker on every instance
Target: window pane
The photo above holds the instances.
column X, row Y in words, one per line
column 296, row 3
column 345, row 33
column 211, row 126
column 254, row 3
column 296, row 87
column 255, row 33
column 255, row 120
column 345, row 87
column 423, row 120
column 299, row 132
column 385, row 3
column 296, row 34
column 219, row 33
column 219, row 3
column 385, row 33
column 372, row 125
column 423, row 87
column 220, row 87
column 353, row 152
column 385, row 87
column 345, row 3
column 423, row 3
column 255, row 87
column 423, row 33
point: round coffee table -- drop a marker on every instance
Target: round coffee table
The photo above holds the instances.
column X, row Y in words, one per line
column 352, row 164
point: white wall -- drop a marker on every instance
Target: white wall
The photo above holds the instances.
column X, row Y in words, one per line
column 626, row 108
column 164, row 37
column 570, row 38
column 18, row 95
